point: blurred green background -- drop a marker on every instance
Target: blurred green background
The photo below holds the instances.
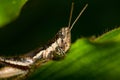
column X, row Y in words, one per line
column 40, row 20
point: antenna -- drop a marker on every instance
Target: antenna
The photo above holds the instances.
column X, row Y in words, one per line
column 72, row 7
column 77, row 16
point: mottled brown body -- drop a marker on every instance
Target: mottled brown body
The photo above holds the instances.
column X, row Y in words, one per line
column 20, row 66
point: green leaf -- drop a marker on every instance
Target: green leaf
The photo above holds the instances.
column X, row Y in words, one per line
column 113, row 35
column 9, row 10
column 97, row 59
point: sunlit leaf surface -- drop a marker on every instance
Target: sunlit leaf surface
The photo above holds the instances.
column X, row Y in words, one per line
column 9, row 10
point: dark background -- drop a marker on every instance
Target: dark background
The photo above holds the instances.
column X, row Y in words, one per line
column 40, row 20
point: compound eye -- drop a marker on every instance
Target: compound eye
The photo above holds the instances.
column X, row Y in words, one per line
column 61, row 34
